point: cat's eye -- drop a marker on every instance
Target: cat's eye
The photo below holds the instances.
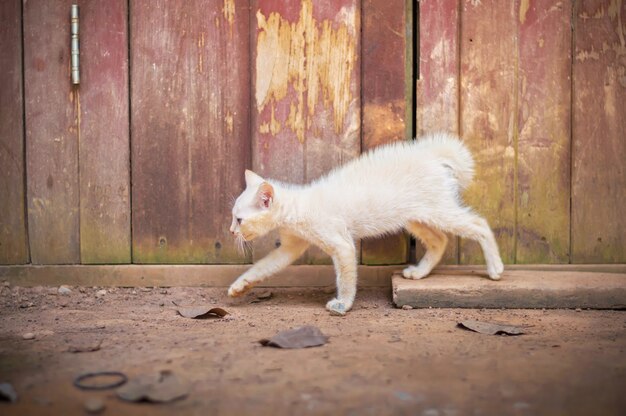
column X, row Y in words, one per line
column 239, row 221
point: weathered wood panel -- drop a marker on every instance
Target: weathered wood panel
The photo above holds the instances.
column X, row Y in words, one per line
column 384, row 103
column 306, row 84
column 51, row 134
column 189, row 127
column 437, row 86
column 488, row 122
column 599, row 144
column 544, row 125
column 13, row 239
column 104, row 133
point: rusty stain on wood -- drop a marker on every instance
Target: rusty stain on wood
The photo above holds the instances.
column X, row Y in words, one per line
column 190, row 128
column 314, row 59
column 384, row 101
column 306, row 105
column 13, row 236
column 103, row 131
column 544, row 114
column 599, row 95
column 437, row 88
column 523, row 9
column 229, row 11
column 488, row 123
column 438, row 83
column 51, row 135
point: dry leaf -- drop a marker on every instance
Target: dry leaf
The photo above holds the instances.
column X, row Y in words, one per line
column 490, row 328
column 85, row 347
column 202, row 312
column 301, row 337
column 263, row 296
column 160, row 388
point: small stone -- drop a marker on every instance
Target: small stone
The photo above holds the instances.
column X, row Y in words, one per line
column 266, row 294
column 164, row 291
column 64, row 290
column 578, row 310
column 430, row 412
column 133, row 292
column 28, row 335
column 521, row 406
column 6, row 283
column 407, row 307
column 42, row 401
column 82, row 290
column 251, row 324
column 7, row 392
column 94, row 405
column 100, row 293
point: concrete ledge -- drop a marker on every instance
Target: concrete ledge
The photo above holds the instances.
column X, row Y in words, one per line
column 181, row 275
column 518, row 289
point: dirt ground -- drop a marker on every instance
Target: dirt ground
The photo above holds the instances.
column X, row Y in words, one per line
column 379, row 360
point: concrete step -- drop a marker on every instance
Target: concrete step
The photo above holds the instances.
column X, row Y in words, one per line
column 518, row 289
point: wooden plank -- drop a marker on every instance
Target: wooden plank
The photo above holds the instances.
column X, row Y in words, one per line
column 51, row 134
column 189, row 127
column 437, row 86
column 384, row 102
column 599, row 148
column 13, row 238
column 437, row 97
column 488, row 122
column 544, row 117
column 104, row 134
column 306, row 83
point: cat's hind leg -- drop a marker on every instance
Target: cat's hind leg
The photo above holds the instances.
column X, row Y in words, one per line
column 466, row 224
column 435, row 243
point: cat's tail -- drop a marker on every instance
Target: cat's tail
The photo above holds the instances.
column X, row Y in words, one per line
column 454, row 154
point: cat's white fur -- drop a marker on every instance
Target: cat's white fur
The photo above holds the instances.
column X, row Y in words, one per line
column 412, row 185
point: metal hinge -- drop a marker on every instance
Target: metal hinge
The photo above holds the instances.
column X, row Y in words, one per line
column 75, row 49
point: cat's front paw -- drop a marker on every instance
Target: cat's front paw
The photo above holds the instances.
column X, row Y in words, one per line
column 239, row 288
column 337, row 307
column 495, row 270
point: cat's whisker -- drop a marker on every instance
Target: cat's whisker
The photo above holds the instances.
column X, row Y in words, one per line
column 244, row 247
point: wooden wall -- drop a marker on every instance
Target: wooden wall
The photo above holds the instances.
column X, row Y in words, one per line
column 536, row 88
column 140, row 162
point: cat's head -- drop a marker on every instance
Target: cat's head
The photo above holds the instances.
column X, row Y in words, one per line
column 252, row 212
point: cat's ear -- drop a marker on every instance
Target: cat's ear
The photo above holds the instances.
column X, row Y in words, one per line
column 252, row 179
column 265, row 195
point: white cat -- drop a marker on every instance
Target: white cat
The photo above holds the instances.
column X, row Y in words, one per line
column 413, row 185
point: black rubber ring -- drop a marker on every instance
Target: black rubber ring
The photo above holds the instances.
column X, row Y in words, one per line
column 78, row 380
